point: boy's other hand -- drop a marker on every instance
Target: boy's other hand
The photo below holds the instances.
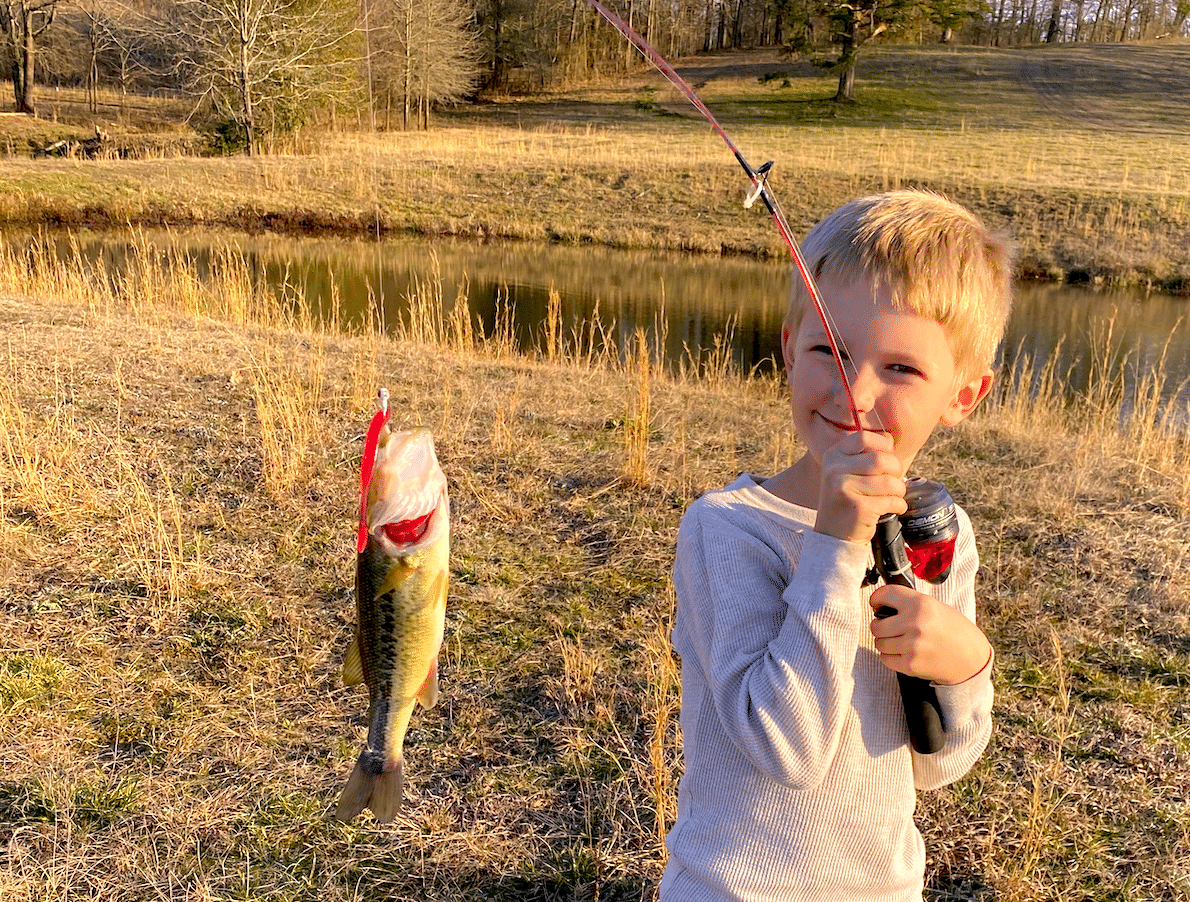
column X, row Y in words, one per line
column 862, row 480
column 927, row 638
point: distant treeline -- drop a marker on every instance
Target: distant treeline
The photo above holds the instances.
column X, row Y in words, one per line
column 255, row 66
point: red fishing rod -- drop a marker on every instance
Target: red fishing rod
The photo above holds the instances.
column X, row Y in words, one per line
column 937, row 528
column 758, row 177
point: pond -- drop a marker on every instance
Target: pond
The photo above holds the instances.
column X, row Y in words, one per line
column 695, row 302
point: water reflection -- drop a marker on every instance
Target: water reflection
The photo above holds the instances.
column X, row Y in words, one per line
column 692, row 300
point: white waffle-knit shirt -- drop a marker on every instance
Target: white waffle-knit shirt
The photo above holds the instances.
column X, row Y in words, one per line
column 799, row 779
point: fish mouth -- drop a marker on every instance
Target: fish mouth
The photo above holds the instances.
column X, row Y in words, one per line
column 407, row 489
column 414, row 530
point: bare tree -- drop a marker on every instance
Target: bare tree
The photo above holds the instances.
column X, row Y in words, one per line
column 421, row 53
column 95, row 29
column 261, row 62
column 23, row 21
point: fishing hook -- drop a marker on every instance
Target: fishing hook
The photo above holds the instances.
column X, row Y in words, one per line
column 760, row 187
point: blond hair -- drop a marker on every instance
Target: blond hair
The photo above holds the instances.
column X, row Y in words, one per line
column 937, row 259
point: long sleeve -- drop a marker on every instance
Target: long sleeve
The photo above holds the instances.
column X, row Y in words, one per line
column 775, row 645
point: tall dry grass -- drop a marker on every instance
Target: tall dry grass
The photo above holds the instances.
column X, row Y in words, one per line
column 188, row 595
column 1130, row 410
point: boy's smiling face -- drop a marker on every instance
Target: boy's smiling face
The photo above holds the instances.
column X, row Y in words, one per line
column 902, row 370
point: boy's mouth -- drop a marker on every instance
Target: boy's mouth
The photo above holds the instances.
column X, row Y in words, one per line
column 848, row 426
column 842, row 427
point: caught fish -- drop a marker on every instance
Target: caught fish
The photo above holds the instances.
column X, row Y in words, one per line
column 400, row 588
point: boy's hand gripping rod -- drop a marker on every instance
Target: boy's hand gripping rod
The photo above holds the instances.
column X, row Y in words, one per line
column 920, row 701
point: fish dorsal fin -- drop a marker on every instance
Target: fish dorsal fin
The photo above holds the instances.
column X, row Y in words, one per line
column 353, row 664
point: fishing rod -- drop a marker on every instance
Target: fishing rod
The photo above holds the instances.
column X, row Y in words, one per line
column 760, row 186
column 935, row 532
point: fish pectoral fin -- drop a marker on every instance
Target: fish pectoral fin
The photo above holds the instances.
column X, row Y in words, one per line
column 353, row 664
column 428, row 693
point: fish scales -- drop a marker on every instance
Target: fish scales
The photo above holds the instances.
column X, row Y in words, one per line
column 402, row 575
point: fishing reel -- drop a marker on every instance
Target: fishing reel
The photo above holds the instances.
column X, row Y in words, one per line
column 921, row 542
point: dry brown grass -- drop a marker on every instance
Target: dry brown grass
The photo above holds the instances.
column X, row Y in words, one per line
column 173, row 617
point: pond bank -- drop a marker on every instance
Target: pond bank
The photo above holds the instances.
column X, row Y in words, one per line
column 624, row 186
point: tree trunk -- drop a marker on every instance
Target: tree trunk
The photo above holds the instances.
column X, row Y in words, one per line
column 1051, row 30
column 246, row 99
column 629, row 49
column 16, row 80
column 1181, row 11
column 998, row 23
column 497, row 50
column 28, row 55
column 407, row 75
column 846, row 91
column 1126, row 23
column 1033, row 28
column 847, row 55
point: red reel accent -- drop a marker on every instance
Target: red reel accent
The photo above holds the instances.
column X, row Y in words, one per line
column 931, row 561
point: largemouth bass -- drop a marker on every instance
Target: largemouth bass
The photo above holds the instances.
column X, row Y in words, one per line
column 400, row 587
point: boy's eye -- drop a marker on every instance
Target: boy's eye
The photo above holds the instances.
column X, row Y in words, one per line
column 905, row 369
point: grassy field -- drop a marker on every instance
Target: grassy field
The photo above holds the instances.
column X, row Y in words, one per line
column 177, row 503
column 1077, row 151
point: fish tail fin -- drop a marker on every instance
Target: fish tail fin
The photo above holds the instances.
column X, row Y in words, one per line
column 382, row 792
column 388, row 792
column 357, row 793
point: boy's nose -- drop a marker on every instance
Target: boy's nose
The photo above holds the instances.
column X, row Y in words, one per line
column 865, row 389
column 862, row 387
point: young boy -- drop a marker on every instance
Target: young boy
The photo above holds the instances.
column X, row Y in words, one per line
column 799, row 780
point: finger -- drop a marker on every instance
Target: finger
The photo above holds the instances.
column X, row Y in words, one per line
column 890, row 647
column 899, row 598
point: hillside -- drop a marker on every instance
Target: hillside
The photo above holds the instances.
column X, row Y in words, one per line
column 1077, row 151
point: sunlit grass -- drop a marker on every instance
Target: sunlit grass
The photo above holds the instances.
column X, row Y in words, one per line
column 177, row 502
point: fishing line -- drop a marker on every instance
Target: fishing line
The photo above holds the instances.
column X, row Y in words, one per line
column 760, row 189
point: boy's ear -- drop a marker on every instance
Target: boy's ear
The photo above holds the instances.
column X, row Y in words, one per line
column 787, row 345
column 967, row 397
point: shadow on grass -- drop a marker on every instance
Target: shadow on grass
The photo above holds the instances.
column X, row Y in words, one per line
column 574, row 880
column 959, row 888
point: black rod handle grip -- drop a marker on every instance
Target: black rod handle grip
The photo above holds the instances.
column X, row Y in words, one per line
column 923, row 712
